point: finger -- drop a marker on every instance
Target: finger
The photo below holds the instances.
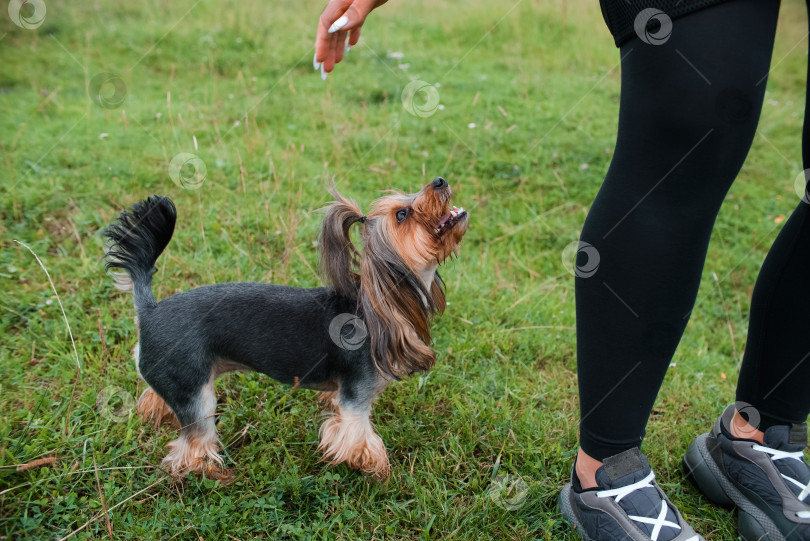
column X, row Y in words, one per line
column 354, row 36
column 329, row 56
column 338, row 24
column 323, row 44
column 332, row 55
column 340, row 46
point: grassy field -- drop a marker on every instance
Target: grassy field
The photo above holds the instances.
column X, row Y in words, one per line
column 522, row 122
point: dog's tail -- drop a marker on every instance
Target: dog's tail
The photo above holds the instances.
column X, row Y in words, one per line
column 136, row 239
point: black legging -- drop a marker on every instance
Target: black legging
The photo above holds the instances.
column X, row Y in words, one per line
column 688, row 115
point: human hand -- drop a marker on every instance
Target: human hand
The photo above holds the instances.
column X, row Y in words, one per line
column 339, row 19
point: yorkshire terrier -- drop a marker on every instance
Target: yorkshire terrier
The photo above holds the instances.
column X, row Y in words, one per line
column 348, row 340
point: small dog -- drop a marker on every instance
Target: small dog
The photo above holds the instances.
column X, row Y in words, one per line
column 347, row 341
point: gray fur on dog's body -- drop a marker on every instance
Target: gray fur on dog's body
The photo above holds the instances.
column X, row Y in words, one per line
column 258, row 326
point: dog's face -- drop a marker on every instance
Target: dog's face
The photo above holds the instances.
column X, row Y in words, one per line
column 422, row 228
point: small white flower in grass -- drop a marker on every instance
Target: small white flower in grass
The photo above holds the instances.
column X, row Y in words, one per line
column 103, row 135
column 396, row 55
column 404, row 67
column 441, row 107
column 583, row 166
column 471, row 125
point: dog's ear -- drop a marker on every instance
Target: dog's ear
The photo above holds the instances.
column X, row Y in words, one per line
column 339, row 257
column 397, row 310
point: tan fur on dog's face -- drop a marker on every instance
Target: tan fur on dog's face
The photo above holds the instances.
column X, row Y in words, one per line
column 410, row 223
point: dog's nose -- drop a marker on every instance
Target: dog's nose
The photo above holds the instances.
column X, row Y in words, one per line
column 439, row 183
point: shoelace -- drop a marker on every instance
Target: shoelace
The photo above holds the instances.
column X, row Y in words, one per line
column 658, row 522
column 780, row 455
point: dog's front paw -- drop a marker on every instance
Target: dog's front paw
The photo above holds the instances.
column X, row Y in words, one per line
column 371, row 457
column 350, row 438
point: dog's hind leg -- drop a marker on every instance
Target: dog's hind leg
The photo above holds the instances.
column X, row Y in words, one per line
column 197, row 448
column 347, row 434
column 151, row 407
column 155, row 411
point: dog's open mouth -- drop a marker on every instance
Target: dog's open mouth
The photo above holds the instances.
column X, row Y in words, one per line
column 449, row 220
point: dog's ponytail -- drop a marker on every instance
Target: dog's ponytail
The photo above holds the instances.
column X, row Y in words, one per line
column 339, row 257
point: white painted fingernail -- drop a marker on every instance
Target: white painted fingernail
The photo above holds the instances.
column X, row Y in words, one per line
column 315, row 64
column 323, row 74
column 348, row 48
column 337, row 25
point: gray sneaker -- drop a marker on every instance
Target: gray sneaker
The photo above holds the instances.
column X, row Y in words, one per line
column 628, row 505
column 770, row 483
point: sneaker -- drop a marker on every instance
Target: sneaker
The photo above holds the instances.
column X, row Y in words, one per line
column 627, row 505
column 769, row 484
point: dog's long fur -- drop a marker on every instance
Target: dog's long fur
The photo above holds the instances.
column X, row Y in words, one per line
column 312, row 338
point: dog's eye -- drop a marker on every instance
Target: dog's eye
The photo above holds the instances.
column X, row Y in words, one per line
column 401, row 215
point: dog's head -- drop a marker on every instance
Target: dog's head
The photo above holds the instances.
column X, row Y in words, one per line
column 394, row 277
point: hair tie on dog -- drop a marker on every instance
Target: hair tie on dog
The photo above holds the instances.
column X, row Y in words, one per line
column 362, row 219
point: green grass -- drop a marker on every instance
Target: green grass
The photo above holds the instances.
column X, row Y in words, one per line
column 238, row 77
